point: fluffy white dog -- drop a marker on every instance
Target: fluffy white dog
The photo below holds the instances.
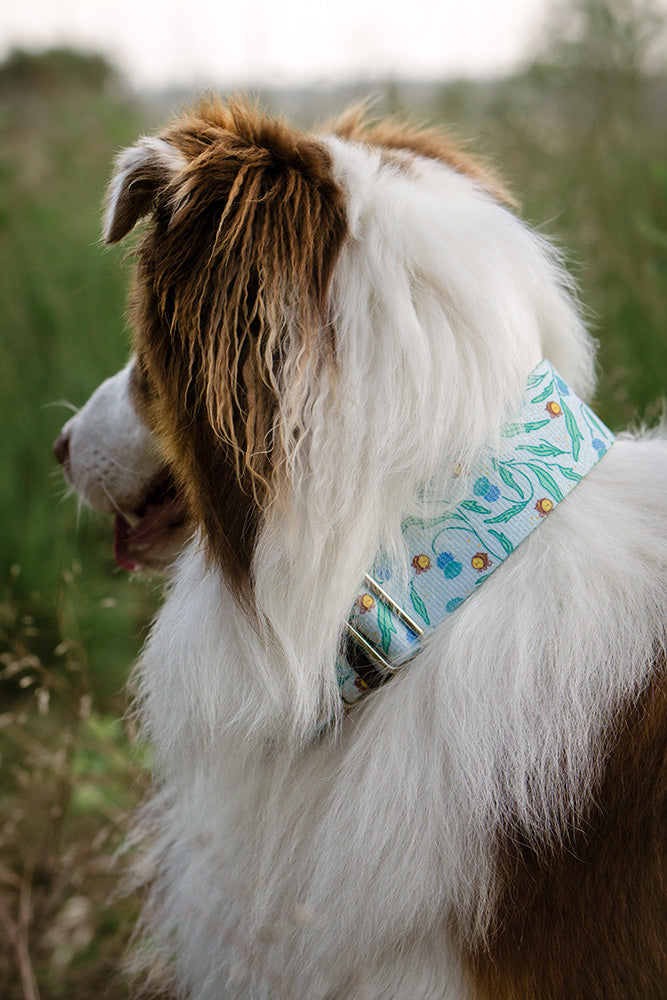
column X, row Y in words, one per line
column 332, row 330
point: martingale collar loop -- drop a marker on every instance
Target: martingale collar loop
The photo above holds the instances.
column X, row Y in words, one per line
column 551, row 444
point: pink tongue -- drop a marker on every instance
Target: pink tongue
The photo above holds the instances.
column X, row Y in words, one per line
column 155, row 524
column 121, row 533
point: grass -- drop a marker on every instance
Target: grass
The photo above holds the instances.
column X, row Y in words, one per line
column 63, row 331
column 70, row 625
column 69, row 780
column 584, row 149
column 595, row 177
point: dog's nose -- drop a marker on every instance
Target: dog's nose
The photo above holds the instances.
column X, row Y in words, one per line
column 61, row 447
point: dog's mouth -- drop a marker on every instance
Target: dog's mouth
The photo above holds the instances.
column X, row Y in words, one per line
column 152, row 535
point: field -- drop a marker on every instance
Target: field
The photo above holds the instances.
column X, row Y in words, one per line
column 581, row 144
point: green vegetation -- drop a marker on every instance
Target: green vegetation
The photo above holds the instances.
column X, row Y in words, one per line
column 70, row 624
column 63, row 301
column 580, row 137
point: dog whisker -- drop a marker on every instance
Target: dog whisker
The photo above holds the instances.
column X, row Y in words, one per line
column 62, row 403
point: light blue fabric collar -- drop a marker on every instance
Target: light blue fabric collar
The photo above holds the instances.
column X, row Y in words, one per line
column 552, row 443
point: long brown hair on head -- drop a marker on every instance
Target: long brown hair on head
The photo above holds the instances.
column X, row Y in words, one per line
column 233, row 285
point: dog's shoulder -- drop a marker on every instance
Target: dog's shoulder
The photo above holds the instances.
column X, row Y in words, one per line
column 589, row 917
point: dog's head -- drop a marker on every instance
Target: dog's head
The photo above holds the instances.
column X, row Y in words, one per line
column 339, row 315
column 232, row 305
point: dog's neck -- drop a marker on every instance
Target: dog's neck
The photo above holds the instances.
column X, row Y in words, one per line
column 551, row 444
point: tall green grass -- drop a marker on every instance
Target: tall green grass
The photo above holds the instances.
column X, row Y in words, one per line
column 68, row 780
column 586, row 154
column 70, row 624
column 63, row 330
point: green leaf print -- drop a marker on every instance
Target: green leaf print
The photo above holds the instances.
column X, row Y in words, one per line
column 427, row 522
column 503, row 539
column 534, row 380
column 475, row 507
column 570, row 474
column 573, row 430
column 544, row 395
column 544, row 450
column 509, row 479
column 506, row 515
column 510, row 430
column 549, row 483
column 418, row 604
column 386, row 625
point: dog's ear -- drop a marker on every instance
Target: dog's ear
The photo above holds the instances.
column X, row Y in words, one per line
column 232, row 308
column 240, row 262
column 140, row 173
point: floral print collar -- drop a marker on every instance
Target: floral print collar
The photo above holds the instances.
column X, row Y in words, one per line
column 553, row 442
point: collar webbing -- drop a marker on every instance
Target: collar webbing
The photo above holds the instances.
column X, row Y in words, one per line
column 552, row 443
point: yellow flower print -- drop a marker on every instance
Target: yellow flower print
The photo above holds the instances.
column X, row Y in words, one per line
column 480, row 561
column 365, row 603
column 553, row 409
column 544, row 506
column 421, row 564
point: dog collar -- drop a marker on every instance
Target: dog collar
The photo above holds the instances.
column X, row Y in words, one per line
column 551, row 444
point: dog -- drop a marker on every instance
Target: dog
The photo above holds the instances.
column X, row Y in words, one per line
column 330, row 330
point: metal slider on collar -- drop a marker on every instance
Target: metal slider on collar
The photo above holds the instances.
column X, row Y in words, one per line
column 369, row 651
column 364, row 658
column 383, row 596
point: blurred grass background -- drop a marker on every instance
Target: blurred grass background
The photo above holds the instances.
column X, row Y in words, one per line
column 581, row 138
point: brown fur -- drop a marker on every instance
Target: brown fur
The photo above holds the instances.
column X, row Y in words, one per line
column 588, row 921
column 137, row 200
column 430, row 143
column 239, row 255
column 139, row 391
column 237, row 260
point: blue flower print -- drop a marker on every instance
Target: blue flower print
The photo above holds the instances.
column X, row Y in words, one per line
column 562, row 387
column 453, row 604
column 598, row 444
column 483, row 488
column 382, row 571
column 448, row 564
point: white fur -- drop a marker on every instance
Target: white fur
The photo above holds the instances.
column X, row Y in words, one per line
column 112, row 454
column 148, row 150
column 298, row 863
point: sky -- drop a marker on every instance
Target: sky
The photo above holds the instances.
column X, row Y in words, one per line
column 159, row 43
